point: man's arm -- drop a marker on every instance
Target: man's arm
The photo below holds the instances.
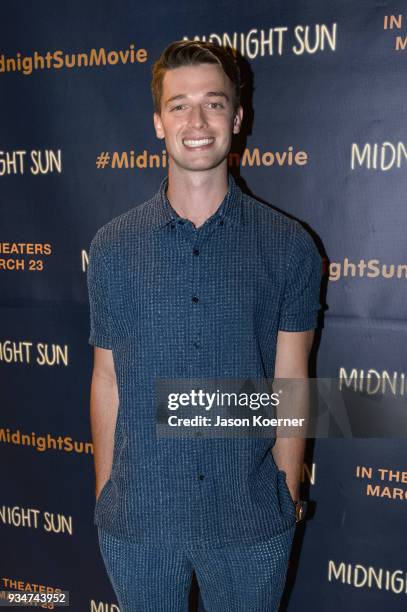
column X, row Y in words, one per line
column 292, row 354
column 104, row 401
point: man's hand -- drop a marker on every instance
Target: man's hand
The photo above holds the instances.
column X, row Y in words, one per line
column 98, row 489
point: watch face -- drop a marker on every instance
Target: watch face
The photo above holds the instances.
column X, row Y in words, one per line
column 301, row 507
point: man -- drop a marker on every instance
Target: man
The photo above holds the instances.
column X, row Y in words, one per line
column 199, row 281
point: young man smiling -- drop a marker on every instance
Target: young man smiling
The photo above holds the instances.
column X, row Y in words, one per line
column 199, row 281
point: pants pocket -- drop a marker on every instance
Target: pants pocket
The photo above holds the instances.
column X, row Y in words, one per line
column 101, row 497
column 287, row 505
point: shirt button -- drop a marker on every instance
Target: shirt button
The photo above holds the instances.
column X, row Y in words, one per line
column 201, row 476
column 172, row 225
column 196, row 251
column 181, row 222
column 196, row 344
column 221, row 222
column 195, row 299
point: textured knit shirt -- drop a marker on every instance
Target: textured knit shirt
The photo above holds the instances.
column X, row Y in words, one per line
column 172, row 300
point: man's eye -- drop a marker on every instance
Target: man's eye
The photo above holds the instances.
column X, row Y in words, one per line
column 216, row 104
column 178, row 107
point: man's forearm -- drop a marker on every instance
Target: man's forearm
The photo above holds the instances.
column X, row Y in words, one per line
column 104, row 403
column 288, row 450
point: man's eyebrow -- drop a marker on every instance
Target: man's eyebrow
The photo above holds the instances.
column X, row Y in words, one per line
column 218, row 94
column 177, row 97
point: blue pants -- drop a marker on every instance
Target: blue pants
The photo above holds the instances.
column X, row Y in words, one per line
column 242, row 578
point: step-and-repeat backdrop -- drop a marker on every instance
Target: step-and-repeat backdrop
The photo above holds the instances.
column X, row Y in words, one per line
column 324, row 140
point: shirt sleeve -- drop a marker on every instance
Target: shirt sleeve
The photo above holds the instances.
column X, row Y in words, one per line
column 299, row 310
column 98, row 291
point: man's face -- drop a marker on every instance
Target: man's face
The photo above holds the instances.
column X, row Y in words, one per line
column 197, row 118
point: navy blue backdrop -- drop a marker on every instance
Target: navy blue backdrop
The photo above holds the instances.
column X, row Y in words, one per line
column 324, row 140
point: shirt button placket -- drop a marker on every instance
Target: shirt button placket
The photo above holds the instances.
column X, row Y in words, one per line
column 195, row 298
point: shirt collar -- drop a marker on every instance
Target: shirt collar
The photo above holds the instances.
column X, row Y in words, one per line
column 229, row 209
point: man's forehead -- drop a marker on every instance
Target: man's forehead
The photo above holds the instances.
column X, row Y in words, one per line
column 194, row 75
column 190, row 80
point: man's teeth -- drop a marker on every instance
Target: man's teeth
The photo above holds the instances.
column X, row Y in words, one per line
column 198, row 143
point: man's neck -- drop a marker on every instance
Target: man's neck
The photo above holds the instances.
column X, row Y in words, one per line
column 197, row 195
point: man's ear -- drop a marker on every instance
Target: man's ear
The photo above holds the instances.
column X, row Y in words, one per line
column 237, row 121
column 159, row 130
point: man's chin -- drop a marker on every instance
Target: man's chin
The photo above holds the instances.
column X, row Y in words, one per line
column 199, row 165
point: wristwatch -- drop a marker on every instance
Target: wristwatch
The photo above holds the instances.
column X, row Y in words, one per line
column 300, row 510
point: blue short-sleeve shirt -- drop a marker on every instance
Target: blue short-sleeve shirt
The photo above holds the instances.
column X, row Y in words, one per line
column 173, row 300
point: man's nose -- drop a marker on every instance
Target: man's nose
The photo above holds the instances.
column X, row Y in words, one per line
column 198, row 117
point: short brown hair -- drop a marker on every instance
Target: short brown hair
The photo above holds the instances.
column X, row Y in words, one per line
column 190, row 53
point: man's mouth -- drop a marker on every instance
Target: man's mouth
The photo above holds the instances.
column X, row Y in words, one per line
column 195, row 142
